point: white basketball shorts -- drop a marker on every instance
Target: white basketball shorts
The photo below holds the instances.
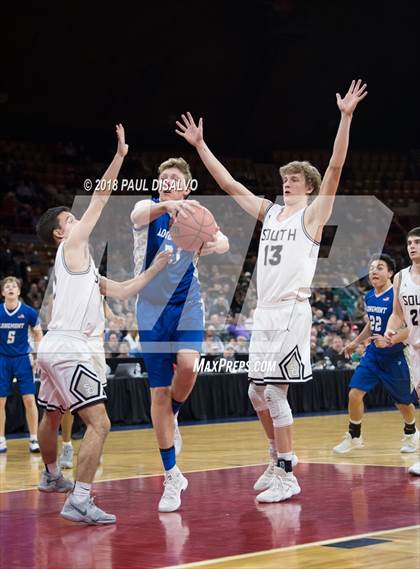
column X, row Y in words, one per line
column 279, row 350
column 414, row 365
column 96, row 345
column 68, row 377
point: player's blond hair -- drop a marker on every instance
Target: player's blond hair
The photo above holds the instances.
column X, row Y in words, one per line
column 178, row 163
column 311, row 174
column 10, row 279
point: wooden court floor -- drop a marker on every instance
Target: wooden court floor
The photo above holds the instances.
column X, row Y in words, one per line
column 369, row 487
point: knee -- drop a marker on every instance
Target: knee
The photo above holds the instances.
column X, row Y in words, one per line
column 356, row 396
column 51, row 420
column 102, row 425
column 256, row 395
column 187, row 370
column 105, row 424
column 161, row 396
column 278, row 405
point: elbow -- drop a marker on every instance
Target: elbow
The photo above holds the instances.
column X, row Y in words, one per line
column 228, row 185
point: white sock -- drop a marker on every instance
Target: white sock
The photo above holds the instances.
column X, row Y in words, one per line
column 82, row 489
column 53, row 469
column 2, row 439
column 285, row 455
column 33, row 437
column 69, row 444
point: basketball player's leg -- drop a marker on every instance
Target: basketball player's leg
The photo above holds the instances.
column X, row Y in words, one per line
column 66, row 456
column 22, row 370
column 415, row 371
column 162, row 416
column 185, row 374
column 48, row 437
column 5, row 390
column 51, row 479
column 397, row 381
column 187, row 337
column 364, row 379
column 284, row 484
column 80, row 506
column 160, row 379
column 97, row 428
column 3, row 446
column 31, row 412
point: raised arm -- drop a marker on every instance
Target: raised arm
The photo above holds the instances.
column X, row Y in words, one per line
column 193, row 134
column 319, row 211
column 126, row 289
column 81, row 232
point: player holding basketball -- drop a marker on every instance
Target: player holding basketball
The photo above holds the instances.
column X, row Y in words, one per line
column 170, row 315
column 69, row 379
column 381, row 363
column 406, row 309
column 287, row 258
column 16, row 320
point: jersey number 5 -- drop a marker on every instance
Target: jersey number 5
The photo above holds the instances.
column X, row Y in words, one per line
column 272, row 254
column 11, row 336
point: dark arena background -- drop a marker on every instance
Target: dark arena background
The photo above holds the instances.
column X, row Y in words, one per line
column 264, row 77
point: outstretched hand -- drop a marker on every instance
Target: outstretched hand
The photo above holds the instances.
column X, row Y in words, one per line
column 122, row 146
column 356, row 93
column 189, row 130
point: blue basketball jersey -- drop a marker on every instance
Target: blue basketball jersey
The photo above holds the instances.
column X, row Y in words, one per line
column 379, row 309
column 14, row 329
column 179, row 278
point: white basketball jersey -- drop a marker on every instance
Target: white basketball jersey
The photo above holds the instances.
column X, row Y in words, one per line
column 287, row 258
column 77, row 304
column 409, row 297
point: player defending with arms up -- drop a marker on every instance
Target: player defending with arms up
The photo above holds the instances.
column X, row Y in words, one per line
column 287, row 257
column 69, row 379
column 407, row 309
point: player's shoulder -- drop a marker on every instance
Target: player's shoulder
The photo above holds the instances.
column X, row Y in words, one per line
column 370, row 294
column 272, row 209
column 28, row 309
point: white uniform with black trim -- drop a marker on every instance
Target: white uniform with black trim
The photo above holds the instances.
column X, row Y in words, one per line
column 96, row 346
column 280, row 341
column 68, row 376
column 409, row 297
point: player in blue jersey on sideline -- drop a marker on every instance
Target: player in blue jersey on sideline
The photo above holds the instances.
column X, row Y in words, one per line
column 170, row 315
column 16, row 319
column 381, row 363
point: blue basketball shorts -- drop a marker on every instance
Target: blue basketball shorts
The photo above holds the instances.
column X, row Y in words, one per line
column 18, row 367
column 164, row 331
column 392, row 371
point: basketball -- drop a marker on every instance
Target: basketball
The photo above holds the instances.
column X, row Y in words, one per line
column 192, row 232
